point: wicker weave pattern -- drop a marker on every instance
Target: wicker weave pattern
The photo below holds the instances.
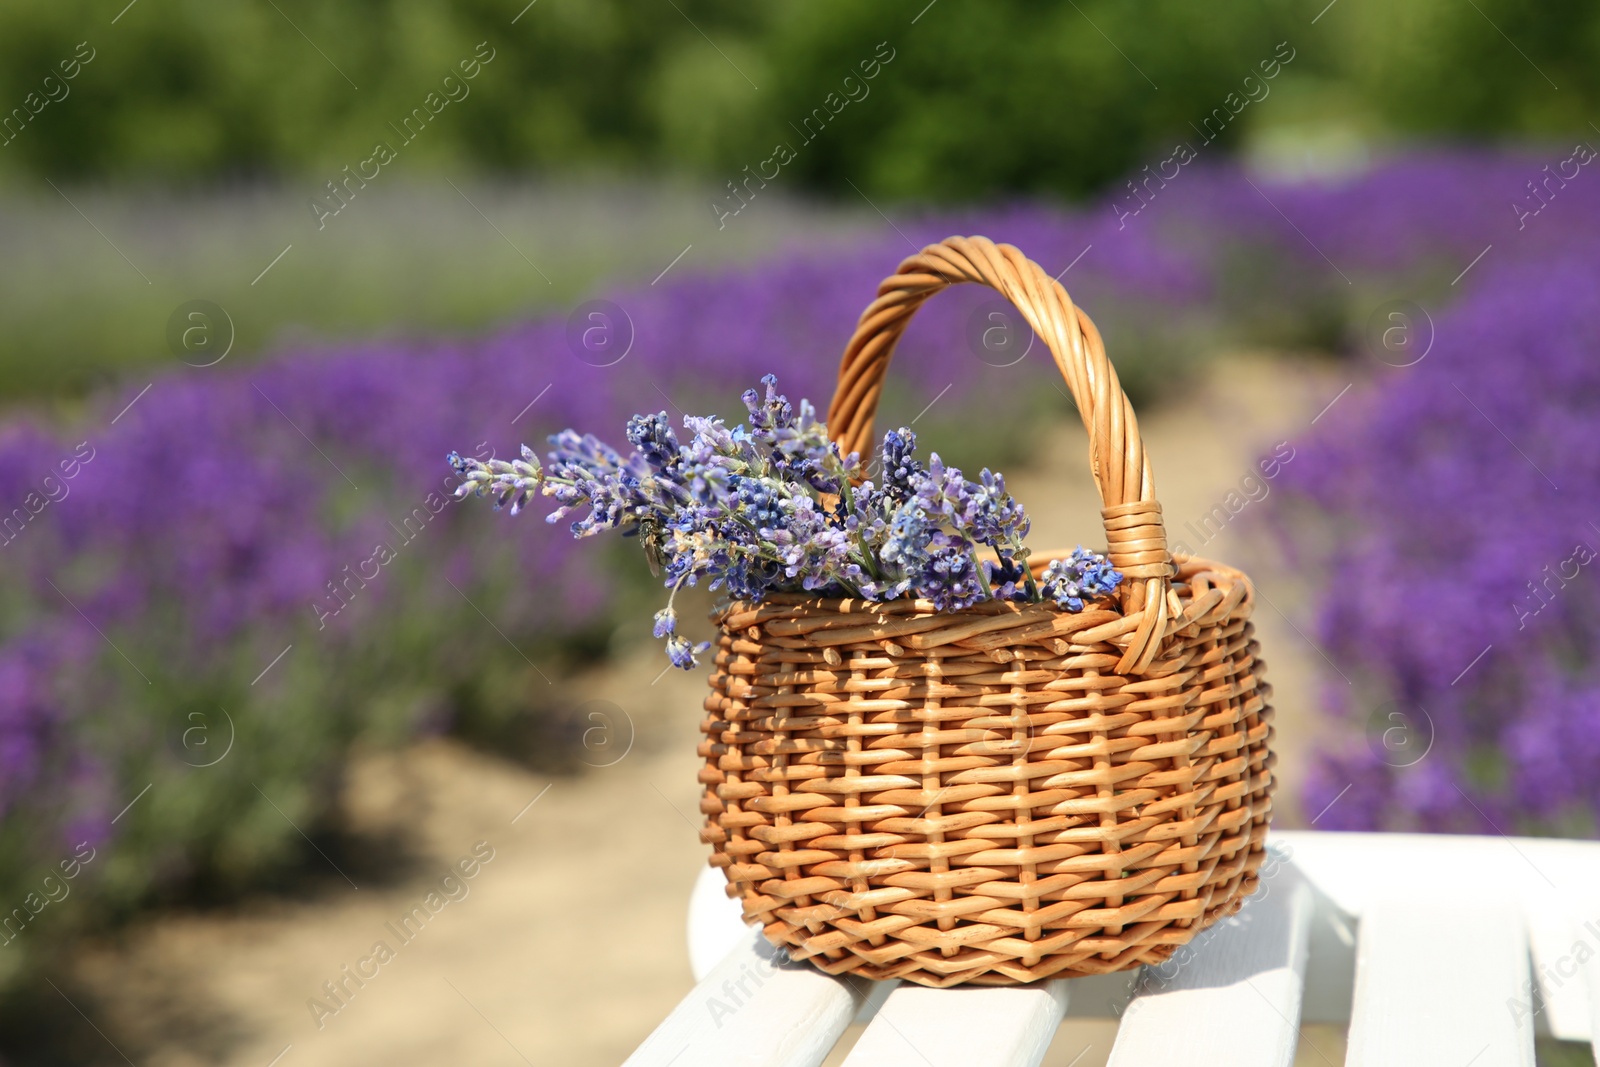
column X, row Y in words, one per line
column 1010, row 792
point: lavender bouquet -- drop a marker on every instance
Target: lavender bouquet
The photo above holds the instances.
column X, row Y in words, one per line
column 772, row 505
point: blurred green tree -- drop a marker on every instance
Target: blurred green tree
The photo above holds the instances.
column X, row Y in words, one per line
column 1007, row 96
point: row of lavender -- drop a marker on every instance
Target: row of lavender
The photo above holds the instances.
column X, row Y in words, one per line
column 1447, row 511
column 214, row 593
column 218, row 585
column 1452, row 514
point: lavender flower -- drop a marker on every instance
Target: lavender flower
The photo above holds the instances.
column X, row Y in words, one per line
column 768, row 414
column 909, row 532
column 666, row 621
column 773, row 505
column 683, row 654
column 1083, row 575
column 653, row 437
column 949, row 574
column 900, row 465
column 505, row 483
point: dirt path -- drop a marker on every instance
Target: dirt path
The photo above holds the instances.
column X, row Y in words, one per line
column 567, row 945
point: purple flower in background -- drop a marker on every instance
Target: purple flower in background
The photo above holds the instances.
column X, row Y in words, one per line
column 1458, row 584
column 337, row 537
column 1431, row 537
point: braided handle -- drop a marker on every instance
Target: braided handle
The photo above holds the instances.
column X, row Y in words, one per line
column 1135, row 534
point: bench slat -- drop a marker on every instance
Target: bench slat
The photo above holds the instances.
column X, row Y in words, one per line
column 714, row 926
column 1552, row 881
column 962, row 1027
column 1435, row 981
column 1549, row 882
column 1231, row 998
column 1591, row 976
column 752, row 1012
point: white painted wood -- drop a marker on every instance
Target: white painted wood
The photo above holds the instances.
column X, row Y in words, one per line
column 1100, row 996
column 878, row 993
column 1564, row 932
column 1231, row 998
column 976, row 1027
column 715, row 925
column 751, row 1011
column 1591, row 980
column 1553, row 882
column 1331, row 966
column 1437, row 975
column 1550, row 883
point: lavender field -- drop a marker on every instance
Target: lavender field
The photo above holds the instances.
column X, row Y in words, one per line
column 226, row 578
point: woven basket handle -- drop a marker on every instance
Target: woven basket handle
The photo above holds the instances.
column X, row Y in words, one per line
column 1135, row 534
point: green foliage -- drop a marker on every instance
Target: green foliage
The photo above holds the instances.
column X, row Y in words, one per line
column 1008, row 96
column 186, row 88
column 1016, row 95
column 1491, row 68
column 1012, row 96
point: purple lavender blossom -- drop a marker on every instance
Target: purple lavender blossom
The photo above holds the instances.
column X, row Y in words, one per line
column 1456, row 580
column 900, row 465
column 666, row 622
column 772, row 506
column 949, row 577
column 1429, row 506
column 1083, row 575
column 505, row 483
column 684, row 654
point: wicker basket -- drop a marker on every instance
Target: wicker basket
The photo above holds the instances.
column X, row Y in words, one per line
column 1006, row 793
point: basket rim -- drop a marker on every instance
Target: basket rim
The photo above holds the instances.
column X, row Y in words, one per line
column 1187, row 568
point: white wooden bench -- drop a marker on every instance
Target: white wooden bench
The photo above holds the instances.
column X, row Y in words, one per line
column 1440, row 950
